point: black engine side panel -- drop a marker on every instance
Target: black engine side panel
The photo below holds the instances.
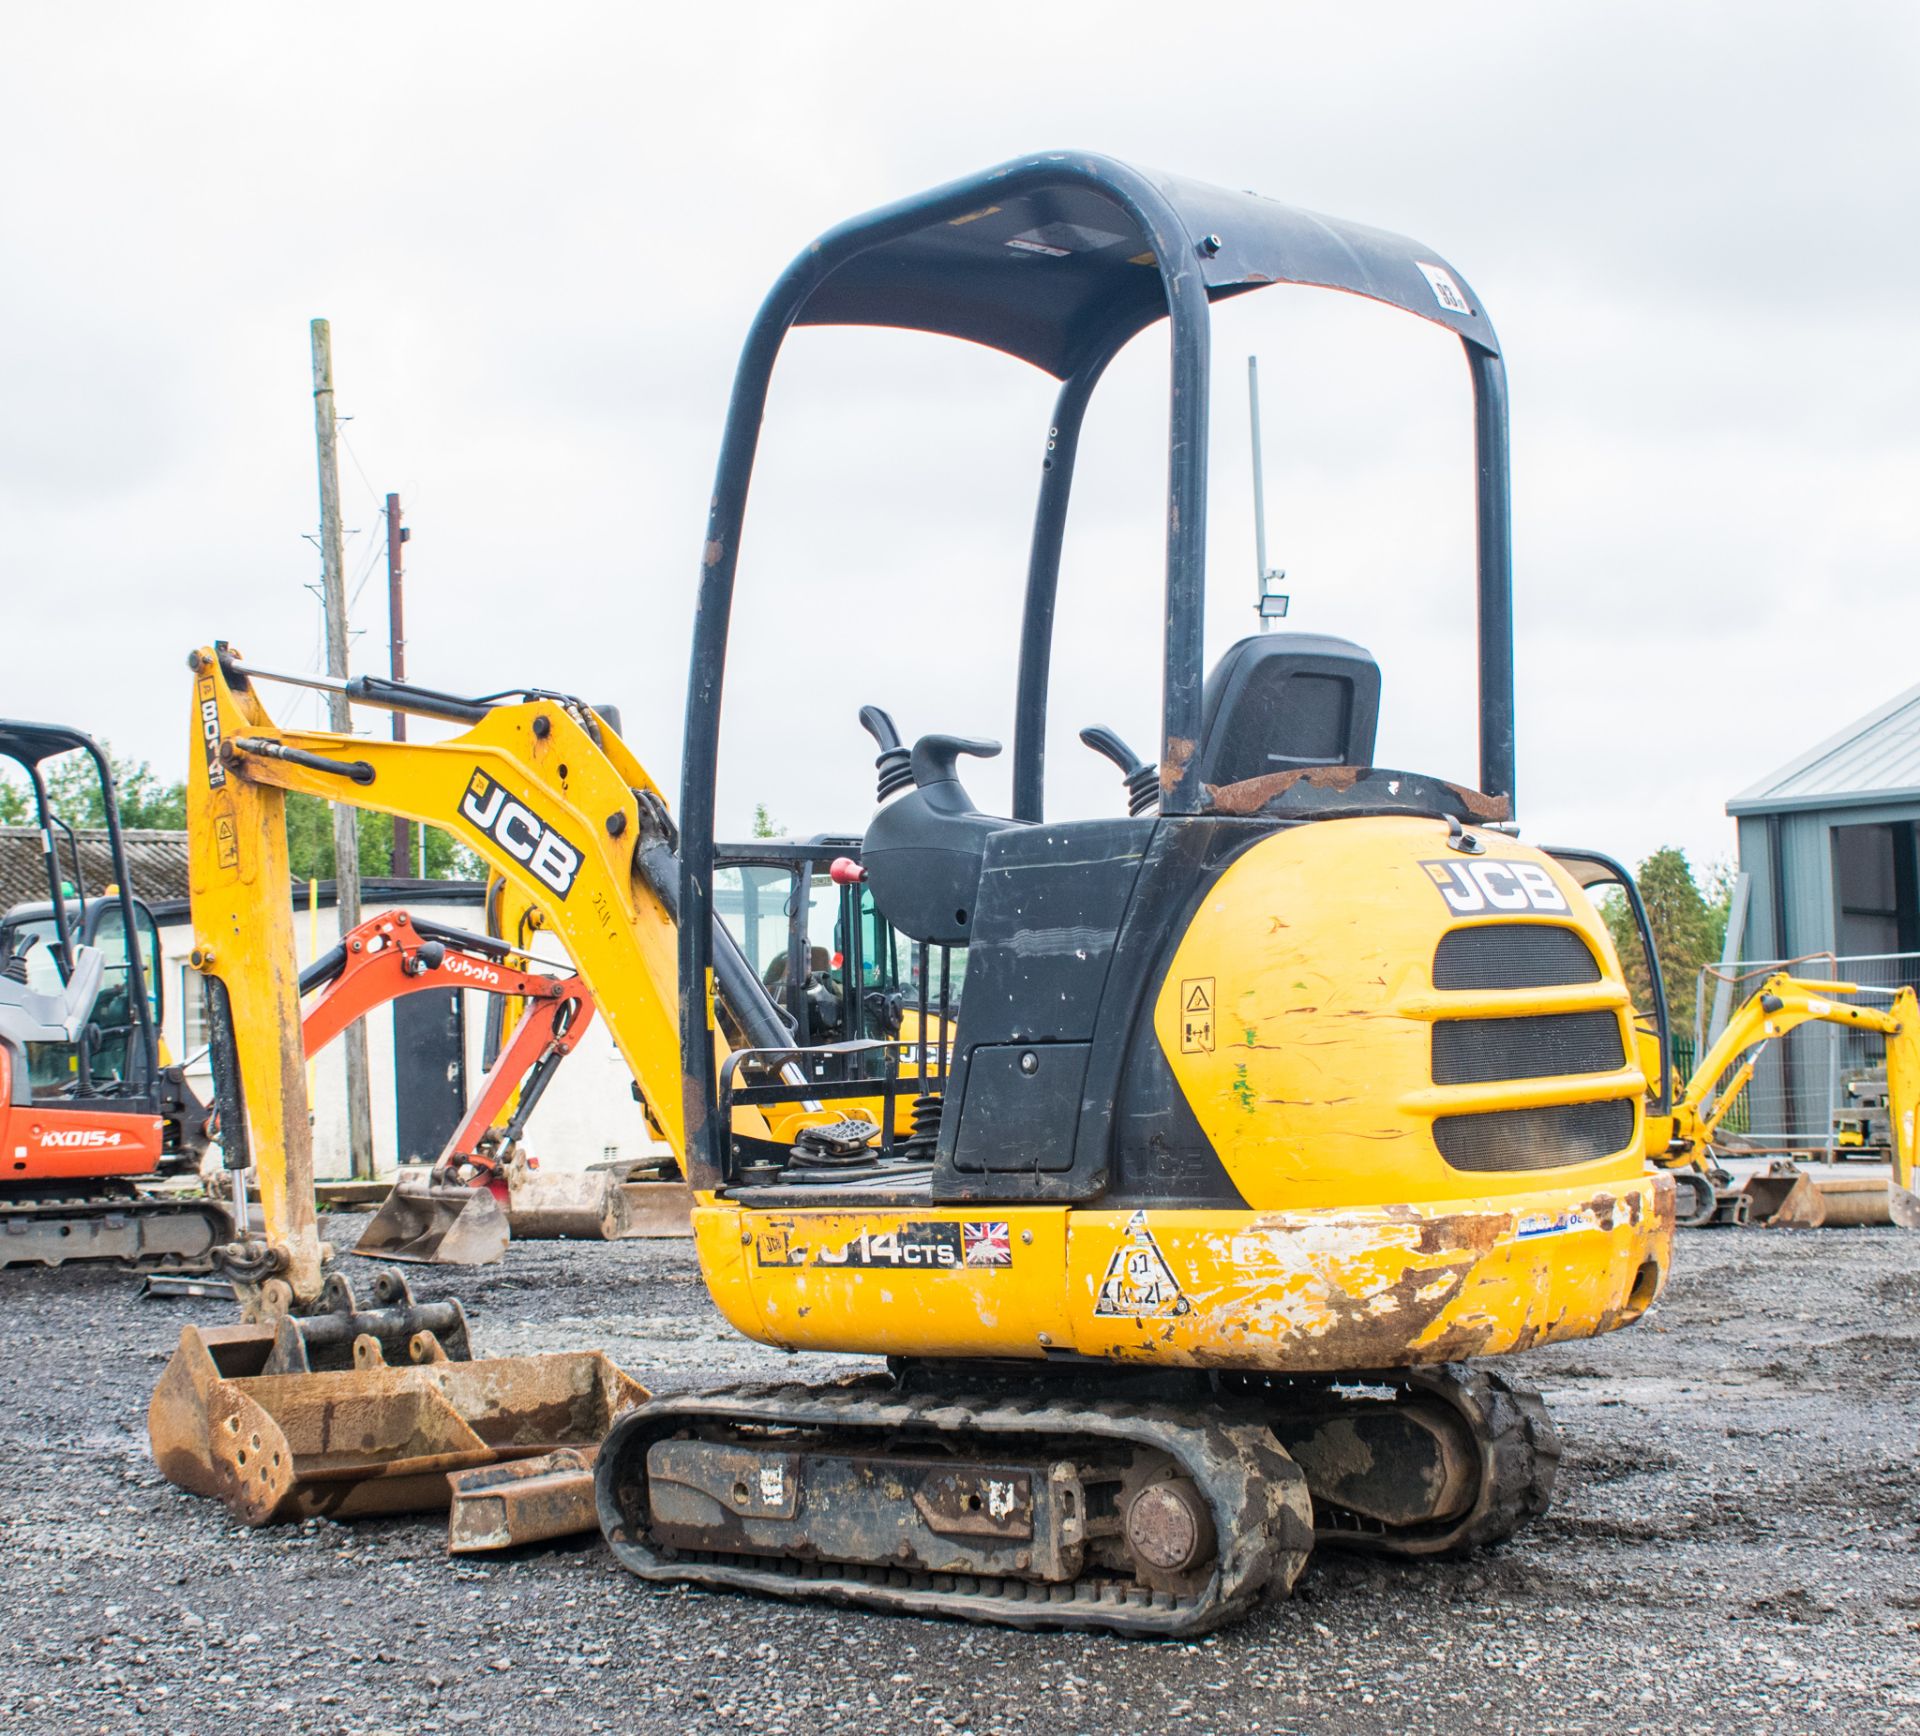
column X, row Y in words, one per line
column 1074, row 930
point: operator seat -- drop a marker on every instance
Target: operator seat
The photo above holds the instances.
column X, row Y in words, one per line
column 27, row 1016
column 1278, row 702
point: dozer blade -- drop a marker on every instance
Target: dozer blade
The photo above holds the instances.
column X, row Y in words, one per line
column 241, row 1415
column 436, row 1225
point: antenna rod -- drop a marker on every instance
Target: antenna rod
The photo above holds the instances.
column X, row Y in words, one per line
column 1259, row 476
column 1270, row 602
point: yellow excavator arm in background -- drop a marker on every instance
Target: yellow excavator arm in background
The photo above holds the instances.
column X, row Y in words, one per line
column 542, row 790
column 1783, row 1003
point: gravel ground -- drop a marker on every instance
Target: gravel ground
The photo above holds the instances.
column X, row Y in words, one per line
column 1735, row 1544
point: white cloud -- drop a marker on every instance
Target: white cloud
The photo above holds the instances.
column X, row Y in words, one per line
column 540, row 237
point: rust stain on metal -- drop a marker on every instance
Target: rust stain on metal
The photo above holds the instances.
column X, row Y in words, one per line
column 1251, row 795
column 370, row 1439
column 1179, row 752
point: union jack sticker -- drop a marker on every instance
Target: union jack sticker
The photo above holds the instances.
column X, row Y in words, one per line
column 985, row 1245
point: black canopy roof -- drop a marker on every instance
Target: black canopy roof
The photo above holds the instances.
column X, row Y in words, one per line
column 1060, row 260
column 30, row 743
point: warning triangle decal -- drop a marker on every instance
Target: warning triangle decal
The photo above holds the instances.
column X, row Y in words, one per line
column 1139, row 1282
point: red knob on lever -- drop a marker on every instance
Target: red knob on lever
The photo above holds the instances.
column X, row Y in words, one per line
column 846, row 872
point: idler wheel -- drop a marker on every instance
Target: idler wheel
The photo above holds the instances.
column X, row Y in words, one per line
column 1168, row 1527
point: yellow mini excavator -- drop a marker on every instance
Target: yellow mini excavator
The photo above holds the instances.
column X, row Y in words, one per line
column 1683, row 1115
column 1682, row 1139
column 1268, row 1105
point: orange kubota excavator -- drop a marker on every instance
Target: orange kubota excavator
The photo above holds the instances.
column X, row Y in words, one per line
column 93, row 1112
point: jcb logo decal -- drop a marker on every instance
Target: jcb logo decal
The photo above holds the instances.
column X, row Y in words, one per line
column 519, row 831
column 1473, row 888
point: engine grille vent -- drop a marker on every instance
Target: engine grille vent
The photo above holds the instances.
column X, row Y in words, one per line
column 1477, row 1051
column 1511, row 1139
column 1513, row 955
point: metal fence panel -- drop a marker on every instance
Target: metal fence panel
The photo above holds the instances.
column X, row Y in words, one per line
column 1814, row 1088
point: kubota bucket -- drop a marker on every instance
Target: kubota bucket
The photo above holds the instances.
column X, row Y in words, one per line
column 428, row 1223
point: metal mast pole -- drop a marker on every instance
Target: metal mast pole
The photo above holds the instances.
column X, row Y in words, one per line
column 397, row 659
column 1271, row 604
column 346, row 832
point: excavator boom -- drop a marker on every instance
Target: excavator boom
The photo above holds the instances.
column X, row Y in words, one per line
column 542, row 789
column 1782, row 1004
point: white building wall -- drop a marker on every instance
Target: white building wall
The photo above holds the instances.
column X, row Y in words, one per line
column 588, row 1114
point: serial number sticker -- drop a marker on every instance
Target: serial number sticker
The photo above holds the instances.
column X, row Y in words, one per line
column 1536, row 1224
column 1474, row 888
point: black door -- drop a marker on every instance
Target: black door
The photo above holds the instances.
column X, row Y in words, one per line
column 429, row 1071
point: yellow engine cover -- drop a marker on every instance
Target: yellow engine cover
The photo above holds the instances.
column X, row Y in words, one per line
column 1436, row 1133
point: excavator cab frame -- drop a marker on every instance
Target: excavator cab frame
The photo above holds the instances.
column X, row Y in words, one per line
column 77, row 920
column 1060, row 259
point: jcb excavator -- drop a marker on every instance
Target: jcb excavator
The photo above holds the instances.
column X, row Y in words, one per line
column 1682, row 1115
column 1682, row 1141
column 1262, row 1112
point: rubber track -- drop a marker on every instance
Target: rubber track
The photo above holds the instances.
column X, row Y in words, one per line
column 1519, row 1457
column 81, row 1211
column 1259, row 1499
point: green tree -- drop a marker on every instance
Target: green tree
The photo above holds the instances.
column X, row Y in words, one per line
column 310, row 845
column 764, row 824
column 73, row 790
column 1688, row 930
column 149, row 804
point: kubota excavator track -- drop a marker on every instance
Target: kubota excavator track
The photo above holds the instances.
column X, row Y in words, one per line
column 142, row 1232
column 1134, row 1518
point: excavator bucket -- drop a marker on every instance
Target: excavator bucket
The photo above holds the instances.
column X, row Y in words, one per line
column 1783, row 1196
column 241, row 1413
column 600, row 1204
column 436, row 1224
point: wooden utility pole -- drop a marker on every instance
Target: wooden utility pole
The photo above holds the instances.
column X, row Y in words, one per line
column 397, row 534
column 346, row 831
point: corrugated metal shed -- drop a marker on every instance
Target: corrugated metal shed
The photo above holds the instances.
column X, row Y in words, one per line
column 156, row 860
column 1874, row 759
column 1830, row 843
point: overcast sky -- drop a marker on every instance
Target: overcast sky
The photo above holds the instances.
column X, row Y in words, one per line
column 540, row 234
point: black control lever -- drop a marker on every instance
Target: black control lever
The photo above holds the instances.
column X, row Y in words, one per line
column 1143, row 780
column 934, row 757
column 893, row 767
